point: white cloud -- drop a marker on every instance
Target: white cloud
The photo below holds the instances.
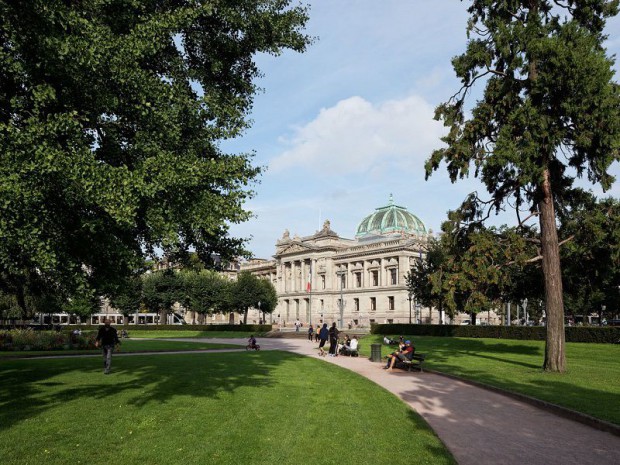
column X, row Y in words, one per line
column 356, row 136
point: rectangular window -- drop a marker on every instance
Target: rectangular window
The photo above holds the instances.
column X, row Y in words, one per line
column 356, row 304
column 394, row 276
column 343, row 280
column 390, row 303
column 373, row 303
column 322, row 281
column 375, row 277
column 390, row 321
column 322, row 304
column 358, row 279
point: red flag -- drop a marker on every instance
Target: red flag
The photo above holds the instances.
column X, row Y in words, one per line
column 309, row 283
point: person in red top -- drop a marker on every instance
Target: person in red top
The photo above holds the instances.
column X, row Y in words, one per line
column 405, row 354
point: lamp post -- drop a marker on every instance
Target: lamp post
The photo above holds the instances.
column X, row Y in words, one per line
column 524, row 305
column 410, row 299
column 259, row 316
column 341, row 275
column 600, row 318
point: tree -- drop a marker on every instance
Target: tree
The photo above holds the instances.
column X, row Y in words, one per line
column 592, row 259
column 204, row 291
column 425, row 280
column 127, row 296
column 268, row 297
column 245, row 293
column 549, row 104
column 111, row 115
column 160, row 291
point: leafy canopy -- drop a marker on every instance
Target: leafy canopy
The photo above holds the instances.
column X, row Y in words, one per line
column 110, row 117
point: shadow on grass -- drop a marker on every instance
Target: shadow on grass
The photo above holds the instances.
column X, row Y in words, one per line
column 25, row 385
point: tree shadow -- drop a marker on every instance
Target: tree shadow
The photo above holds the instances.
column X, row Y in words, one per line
column 30, row 387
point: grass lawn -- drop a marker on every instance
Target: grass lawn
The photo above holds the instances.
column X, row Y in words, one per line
column 274, row 408
column 128, row 345
column 591, row 385
column 134, row 333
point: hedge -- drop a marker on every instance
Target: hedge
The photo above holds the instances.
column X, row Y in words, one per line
column 603, row 335
column 27, row 339
column 248, row 328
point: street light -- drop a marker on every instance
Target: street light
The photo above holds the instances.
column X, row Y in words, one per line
column 263, row 319
column 341, row 275
column 410, row 299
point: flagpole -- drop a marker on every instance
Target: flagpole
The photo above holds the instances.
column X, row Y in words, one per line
column 310, row 293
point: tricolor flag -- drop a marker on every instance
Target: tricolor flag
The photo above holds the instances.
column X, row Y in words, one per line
column 309, row 283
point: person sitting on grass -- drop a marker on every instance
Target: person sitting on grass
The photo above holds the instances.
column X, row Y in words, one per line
column 388, row 342
column 405, row 354
column 351, row 347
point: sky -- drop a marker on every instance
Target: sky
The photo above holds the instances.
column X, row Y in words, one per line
column 349, row 122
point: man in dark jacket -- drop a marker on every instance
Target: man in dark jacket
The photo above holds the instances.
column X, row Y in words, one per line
column 107, row 338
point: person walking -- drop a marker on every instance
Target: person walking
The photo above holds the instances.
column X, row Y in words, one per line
column 310, row 333
column 107, row 339
column 323, row 336
column 333, row 340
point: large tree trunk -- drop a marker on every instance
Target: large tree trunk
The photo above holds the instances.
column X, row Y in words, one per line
column 555, row 358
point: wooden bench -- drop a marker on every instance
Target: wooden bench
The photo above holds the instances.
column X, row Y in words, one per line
column 415, row 363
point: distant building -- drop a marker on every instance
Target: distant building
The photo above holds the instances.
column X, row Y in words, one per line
column 325, row 277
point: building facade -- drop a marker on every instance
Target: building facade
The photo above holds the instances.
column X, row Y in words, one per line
column 354, row 282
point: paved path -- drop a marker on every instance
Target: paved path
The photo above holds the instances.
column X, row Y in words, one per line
column 478, row 426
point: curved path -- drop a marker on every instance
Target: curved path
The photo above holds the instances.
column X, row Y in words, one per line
column 479, row 426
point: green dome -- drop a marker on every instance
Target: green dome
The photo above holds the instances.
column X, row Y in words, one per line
column 389, row 220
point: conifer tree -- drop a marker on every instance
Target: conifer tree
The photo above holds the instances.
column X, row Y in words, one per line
column 550, row 109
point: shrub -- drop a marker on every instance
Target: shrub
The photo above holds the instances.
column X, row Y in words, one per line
column 27, row 339
column 249, row 328
column 605, row 335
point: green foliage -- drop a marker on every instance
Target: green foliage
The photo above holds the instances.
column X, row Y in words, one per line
column 591, row 334
column 136, row 330
column 27, row 339
column 549, row 104
column 161, row 290
column 111, row 115
column 471, row 268
column 591, row 259
column 127, row 296
column 247, row 291
column 204, row 291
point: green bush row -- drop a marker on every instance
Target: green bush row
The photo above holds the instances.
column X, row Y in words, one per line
column 27, row 339
column 249, row 328
column 605, row 335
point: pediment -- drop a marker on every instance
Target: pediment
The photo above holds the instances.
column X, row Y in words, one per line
column 294, row 248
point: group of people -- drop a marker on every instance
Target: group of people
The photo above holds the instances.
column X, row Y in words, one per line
column 345, row 346
column 348, row 346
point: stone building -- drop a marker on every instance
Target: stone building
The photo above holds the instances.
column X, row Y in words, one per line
column 325, row 277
